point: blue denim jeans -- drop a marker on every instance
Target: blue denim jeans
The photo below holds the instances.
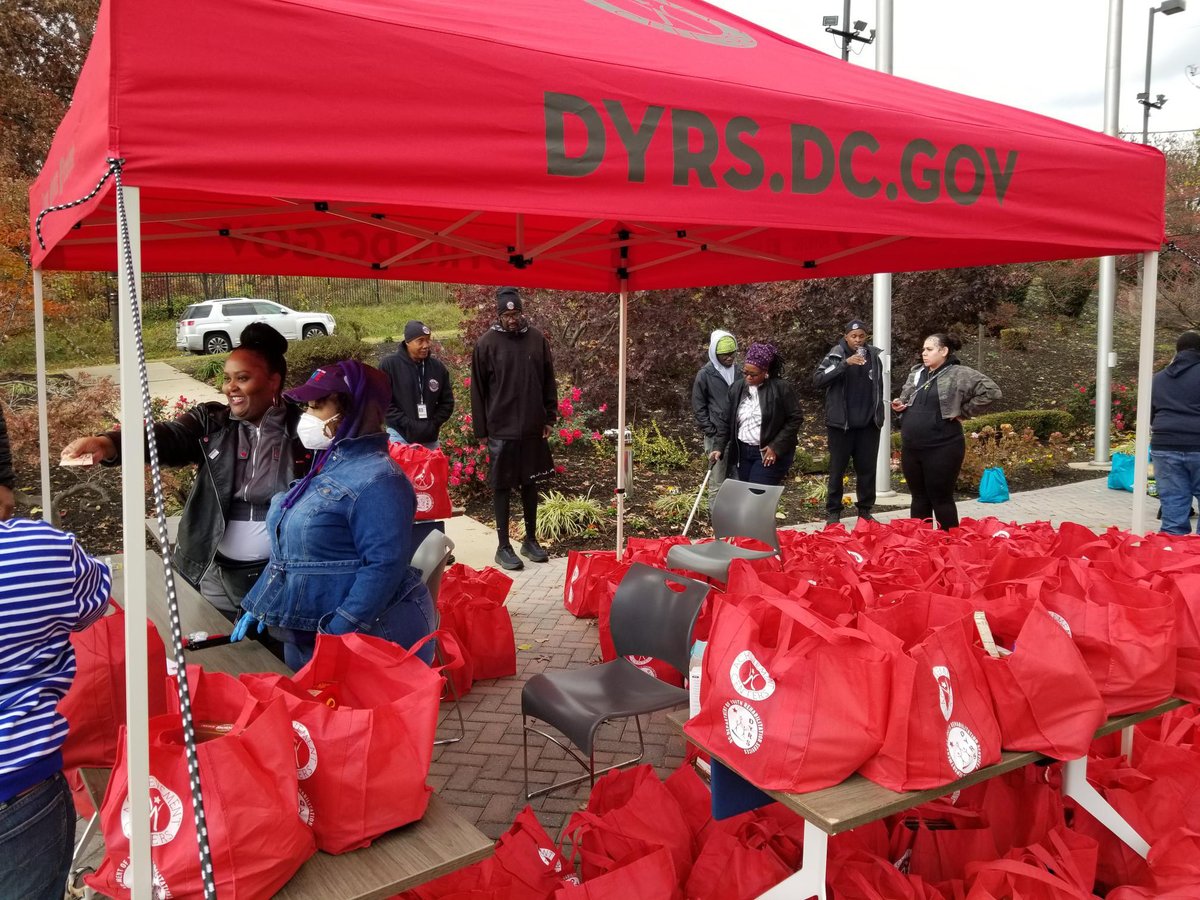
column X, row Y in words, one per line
column 1177, row 476
column 37, row 833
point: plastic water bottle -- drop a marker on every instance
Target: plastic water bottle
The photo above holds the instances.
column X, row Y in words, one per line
column 695, row 666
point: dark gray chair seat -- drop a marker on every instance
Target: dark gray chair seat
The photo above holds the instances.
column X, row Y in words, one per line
column 653, row 612
column 580, row 701
column 740, row 509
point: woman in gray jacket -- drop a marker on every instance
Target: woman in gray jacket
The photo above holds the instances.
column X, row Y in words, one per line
column 935, row 399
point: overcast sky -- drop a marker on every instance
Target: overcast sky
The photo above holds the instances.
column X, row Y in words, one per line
column 1042, row 55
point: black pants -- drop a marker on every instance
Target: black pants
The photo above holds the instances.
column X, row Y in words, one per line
column 529, row 502
column 862, row 446
column 931, row 473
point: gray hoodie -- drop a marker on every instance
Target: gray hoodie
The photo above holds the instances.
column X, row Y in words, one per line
column 710, row 390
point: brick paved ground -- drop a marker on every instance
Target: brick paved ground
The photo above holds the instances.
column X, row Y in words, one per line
column 482, row 774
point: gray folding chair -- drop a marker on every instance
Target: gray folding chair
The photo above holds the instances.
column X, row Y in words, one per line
column 653, row 613
column 430, row 559
column 740, row 509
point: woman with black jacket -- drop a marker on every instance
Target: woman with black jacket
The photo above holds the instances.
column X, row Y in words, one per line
column 245, row 451
column 764, row 421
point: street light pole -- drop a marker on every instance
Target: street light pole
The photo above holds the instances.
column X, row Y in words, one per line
column 1167, row 8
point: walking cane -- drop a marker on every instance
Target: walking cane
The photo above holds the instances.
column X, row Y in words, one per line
column 696, row 505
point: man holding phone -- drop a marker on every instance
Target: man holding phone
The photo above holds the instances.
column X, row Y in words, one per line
column 852, row 375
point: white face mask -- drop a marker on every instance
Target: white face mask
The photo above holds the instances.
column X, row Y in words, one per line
column 311, row 431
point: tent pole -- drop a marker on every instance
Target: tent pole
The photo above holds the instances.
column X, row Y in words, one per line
column 39, row 340
column 133, row 505
column 1107, row 299
column 622, row 325
column 1145, row 380
column 881, row 313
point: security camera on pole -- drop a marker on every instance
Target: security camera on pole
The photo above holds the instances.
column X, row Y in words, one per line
column 847, row 36
column 1167, row 8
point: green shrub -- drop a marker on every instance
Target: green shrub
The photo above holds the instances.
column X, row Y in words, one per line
column 560, row 516
column 1014, row 338
column 304, row 357
column 211, row 369
column 656, row 451
column 673, row 506
column 1043, row 422
column 807, row 463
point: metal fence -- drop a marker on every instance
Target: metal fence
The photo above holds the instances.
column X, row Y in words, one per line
column 165, row 296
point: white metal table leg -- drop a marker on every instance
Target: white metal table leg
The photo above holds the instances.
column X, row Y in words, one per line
column 810, row 880
column 1127, row 743
column 1075, row 786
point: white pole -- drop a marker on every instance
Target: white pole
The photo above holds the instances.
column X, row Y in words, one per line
column 133, row 507
column 39, row 341
column 881, row 295
column 1107, row 299
column 1145, row 380
column 622, row 322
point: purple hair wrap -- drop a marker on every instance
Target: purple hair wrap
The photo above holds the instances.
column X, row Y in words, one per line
column 761, row 355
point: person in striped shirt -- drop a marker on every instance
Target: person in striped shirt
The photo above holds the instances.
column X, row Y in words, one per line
column 49, row 587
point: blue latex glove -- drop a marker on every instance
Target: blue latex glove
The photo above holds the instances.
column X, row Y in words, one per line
column 243, row 627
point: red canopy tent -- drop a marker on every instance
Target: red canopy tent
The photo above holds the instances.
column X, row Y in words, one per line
column 586, row 144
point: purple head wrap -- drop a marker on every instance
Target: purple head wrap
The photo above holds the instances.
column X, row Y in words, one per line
column 761, row 355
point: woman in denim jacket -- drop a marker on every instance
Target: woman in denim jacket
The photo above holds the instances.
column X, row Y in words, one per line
column 341, row 537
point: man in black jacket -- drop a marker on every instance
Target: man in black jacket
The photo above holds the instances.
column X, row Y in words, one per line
column 514, row 401
column 1175, row 434
column 422, row 397
column 852, row 375
column 7, row 478
column 710, row 399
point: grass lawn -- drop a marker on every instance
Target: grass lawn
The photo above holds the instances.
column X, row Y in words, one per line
column 74, row 344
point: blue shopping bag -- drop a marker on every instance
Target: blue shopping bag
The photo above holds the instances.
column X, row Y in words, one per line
column 1120, row 477
column 993, row 486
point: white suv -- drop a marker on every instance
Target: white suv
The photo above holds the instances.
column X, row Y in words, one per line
column 215, row 326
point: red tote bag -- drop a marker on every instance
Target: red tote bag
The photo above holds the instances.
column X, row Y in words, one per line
column 94, row 707
column 586, row 571
column 1043, row 695
column 1126, row 633
column 256, row 837
column 741, row 859
column 629, row 811
column 937, row 840
column 471, row 604
column 429, row 473
column 363, row 719
column 796, row 703
column 940, row 725
column 641, row 876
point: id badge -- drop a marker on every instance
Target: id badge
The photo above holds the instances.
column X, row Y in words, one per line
column 422, row 411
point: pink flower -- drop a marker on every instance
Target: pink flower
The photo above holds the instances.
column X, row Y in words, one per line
column 560, row 469
column 603, row 407
column 466, row 381
column 470, row 470
column 1116, row 403
column 480, row 476
column 467, row 418
column 564, row 434
column 1122, row 388
column 596, row 436
column 576, row 393
column 576, row 434
column 1082, row 390
column 458, row 466
column 455, row 480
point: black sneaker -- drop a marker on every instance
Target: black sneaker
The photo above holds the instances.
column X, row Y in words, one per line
column 832, row 519
column 506, row 559
column 533, row 552
column 867, row 517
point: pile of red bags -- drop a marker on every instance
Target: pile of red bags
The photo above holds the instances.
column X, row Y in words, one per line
column 330, row 758
column 471, row 607
column 915, row 656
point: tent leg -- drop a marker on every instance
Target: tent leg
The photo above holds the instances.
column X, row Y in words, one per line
column 1145, row 380
column 39, row 339
column 622, row 327
column 881, row 333
column 133, row 497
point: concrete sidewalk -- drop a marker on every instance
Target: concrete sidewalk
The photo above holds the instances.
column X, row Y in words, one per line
column 165, row 382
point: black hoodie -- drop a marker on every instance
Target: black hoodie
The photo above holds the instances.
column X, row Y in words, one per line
column 1175, row 404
